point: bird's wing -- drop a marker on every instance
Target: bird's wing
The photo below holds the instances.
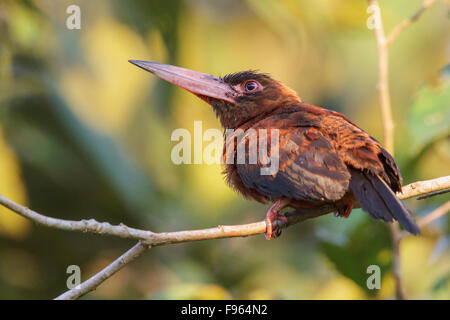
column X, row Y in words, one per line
column 309, row 167
column 361, row 151
column 377, row 198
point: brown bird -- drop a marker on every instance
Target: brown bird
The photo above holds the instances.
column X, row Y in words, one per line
column 324, row 158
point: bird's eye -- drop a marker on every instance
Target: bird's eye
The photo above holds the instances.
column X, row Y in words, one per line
column 252, row 86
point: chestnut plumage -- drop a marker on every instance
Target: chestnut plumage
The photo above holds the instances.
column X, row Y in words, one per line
column 324, row 158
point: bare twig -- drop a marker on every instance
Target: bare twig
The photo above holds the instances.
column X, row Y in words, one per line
column 154, row 239
column 430, row 217
column 92, row 283
column 434, row 215
column 437, row 193
column 388, row 131
column 90, row 225
column 386, row 112
column 406, row 23
column 383, row 79
column 396, row 264
column 416, row 188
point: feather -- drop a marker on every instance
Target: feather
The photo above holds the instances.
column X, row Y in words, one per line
column 377, row 198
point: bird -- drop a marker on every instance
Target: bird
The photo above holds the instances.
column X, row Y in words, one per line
column 324, row 158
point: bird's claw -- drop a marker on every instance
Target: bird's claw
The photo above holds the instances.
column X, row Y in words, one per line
column 275, row 222
column 344, row 212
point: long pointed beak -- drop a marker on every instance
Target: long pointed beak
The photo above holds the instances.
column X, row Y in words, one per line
column 201, row 84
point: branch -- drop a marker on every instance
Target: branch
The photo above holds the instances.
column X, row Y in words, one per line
column 91, row 225
column 406, row 23
column 426, row 196
column 422, row 188
column 383, row 80
column 388, row 133
column 148, row 239
column 400, row 289
column 92, row 283
column 434, row 215
column 386, row 113
column 155, row 239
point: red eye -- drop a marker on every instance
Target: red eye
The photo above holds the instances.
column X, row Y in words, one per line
column 252, row 86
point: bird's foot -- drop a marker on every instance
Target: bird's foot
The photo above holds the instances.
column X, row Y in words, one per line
column 275, row 222
column 344, row 211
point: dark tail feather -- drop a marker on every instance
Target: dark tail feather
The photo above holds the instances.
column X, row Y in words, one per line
column 380, row 201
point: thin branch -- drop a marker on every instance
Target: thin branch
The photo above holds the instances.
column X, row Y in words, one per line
column 406, row 23
column 386, row 112
column 437, row 193
column 430, row 217
column 154, row 239
column 90, row 225
column 434, row 215
column 388, row 132
column 400, row 289
column 92, row 283
column 178, row 237
column 383, row 80
column 420, row 188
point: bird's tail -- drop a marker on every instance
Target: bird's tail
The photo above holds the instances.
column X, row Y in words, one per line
column 380, row 201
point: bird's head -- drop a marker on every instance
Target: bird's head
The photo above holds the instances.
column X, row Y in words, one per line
column 236, row 98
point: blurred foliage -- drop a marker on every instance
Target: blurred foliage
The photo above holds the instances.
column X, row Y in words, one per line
column 84, row 134
column 349, row 257
column 429, row 115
